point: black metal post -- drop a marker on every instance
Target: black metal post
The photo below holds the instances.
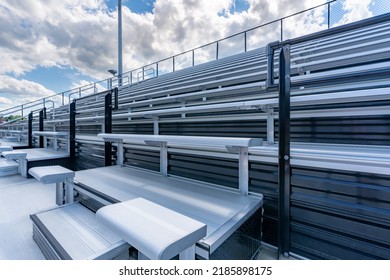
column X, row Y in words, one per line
column 270, row 65
column 30, row 129
column 116, row 99
column 72, row 135
column 108, row 128
column 284, row 152
column 41, row 118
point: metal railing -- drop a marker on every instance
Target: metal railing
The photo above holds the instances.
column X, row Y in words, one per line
column 237, row 43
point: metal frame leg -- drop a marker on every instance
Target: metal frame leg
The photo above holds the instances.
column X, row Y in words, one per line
column 188, row 254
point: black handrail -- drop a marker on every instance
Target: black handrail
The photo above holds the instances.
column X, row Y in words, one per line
column 284, row 87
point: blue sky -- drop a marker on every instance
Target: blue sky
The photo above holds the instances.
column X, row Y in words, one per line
column 51, row 46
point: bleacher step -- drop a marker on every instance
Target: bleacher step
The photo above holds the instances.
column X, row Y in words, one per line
column 8, row 167
column 72, row 232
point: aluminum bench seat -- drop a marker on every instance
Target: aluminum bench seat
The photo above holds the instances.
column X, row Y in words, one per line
column 51, row 174
column 14, row 144
column 28, row 158
column 158, row 233
column 5, row 148
column 17, row 157
column 222, row 209
column 76, row 234
column 37, row 154
column 61, row 176
column 11, row 138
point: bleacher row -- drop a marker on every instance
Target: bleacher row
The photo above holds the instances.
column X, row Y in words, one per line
column 339, row 151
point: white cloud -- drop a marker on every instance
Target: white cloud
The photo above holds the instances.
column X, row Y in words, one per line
column 82, row 34
column 355, row 10
column 15, row 92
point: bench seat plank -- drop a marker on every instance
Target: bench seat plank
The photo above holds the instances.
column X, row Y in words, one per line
column 5, row 148
column 156, row 231
column 185, row 140
column 51, row 174
column 217, row 207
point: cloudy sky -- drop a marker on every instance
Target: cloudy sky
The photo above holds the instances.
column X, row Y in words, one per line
column 50, row 46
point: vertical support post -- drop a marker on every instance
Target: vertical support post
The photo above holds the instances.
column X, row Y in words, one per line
column 45, row 141
column 270, row 126
column 120, row 153
column 270, row 65
column 23, row 166
column 156, row 69
column 328, row 15
column 284, row 151
column 245, row 42
column 156, row 127
column 116, row 99
column 188, row 254
column 60, row 193
column 55, row 143
column 108, row 129
column 164, row 158
column 243, row 170
column 120, row 43
column 30, row 129
column 173, row 64
column 141, row 256
column 193, row 57
column 72, row 135
column 41, row 117
column 69, row 186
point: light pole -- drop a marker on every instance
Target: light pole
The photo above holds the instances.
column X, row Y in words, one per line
column 120, row 42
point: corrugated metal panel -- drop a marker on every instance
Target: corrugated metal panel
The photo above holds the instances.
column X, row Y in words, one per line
column 142, row 158
column 340, row 214
column 248, row 128
column 208, row 169
column 367, row 130
column 264, row 179
column 89, row 156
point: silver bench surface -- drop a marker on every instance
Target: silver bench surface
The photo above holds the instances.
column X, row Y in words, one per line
column 51, row 174
column 14, row 154
column 5, row 148
column 155, row 231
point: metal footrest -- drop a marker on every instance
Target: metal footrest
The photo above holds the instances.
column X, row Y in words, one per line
column 71, row 232
column 8, row 167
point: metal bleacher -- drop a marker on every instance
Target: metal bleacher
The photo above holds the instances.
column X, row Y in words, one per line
column 340, row 159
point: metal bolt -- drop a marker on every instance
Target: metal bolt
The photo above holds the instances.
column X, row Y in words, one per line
column 286, row 157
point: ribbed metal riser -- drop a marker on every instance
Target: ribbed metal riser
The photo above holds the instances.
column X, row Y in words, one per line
column 44, row 245
column 8, row 172
column 8, row 168
column 71, row 232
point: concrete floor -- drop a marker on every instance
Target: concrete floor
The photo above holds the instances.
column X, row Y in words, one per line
column 20, row 197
